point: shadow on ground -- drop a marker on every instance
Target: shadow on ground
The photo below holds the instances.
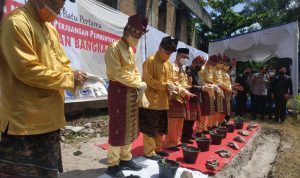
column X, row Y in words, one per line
column 90, row 173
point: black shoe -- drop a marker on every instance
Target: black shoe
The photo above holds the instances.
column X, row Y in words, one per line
column 198, row 134
column 187, row 141
column 173, row 148
column 162, row 153
column 205, row 132
column 210, row 129
column 130, row 165
column 154, row 157
column 133, row 176
column 115, row 171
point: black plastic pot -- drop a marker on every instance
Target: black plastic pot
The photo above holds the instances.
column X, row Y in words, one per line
column 167, row 169
column 216, row 139
column 239, row 124
column 190, row 154
column 222, row 131
column 203, row 143
column 231, row 128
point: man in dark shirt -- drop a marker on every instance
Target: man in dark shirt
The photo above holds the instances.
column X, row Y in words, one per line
column 282, row 91
column 2, row 3
column 243, row 89
column 270, row 100
column 188, row 124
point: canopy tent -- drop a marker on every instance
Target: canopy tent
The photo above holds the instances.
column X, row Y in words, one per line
column 280, row 41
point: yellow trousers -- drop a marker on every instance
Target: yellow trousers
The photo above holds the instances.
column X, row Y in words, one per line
column 214, row 119
column 117, row 153
column 152, row 144
column 202, row 124
column 221, row 117
column 175, row 126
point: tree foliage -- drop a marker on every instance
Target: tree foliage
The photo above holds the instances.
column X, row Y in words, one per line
column 227, row 22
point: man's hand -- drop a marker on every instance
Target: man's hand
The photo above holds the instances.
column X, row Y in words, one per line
column 79, row 77
column 170, row 88
column 142, row 86
column 188, row 94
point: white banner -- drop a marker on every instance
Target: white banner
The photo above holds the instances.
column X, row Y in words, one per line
column 86, row 28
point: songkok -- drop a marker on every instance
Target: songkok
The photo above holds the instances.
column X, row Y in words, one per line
column 137, row 24
column 199, row 60
column 169, row 44
column 183, row 50
column 213, row 59
column 226, row 59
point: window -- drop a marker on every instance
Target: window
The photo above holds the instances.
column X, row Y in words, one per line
column 141, row 7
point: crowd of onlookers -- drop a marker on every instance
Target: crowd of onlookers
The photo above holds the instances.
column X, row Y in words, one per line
column 268, row 89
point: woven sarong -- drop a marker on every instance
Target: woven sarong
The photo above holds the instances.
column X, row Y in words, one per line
column 123, row 114
column 195, row 112
column 178, row 110
column 208, row 105
column 218, row 102
column 31, row 155
column 153, row 122
column 227, row 103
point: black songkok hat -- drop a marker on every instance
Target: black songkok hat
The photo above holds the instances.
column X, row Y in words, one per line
column 183, row 50
column 169, row 44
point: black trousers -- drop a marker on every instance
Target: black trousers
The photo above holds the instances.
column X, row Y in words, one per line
column 187, row 130
column 270, row 103
column 280, row 108
column 259, row 105
column 241, row 104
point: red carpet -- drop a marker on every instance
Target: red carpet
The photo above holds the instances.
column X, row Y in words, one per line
column 137, row 150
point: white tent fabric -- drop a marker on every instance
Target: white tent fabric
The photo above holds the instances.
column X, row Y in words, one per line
column 280, row 41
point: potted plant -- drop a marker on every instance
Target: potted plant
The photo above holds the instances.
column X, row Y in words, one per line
column 190, row 153
column 230, row 127
column 203, row 142
column 216, row 138
column 239, row 122
column 223, row 131
column 167, row 168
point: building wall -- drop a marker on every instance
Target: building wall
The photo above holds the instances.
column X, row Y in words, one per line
column 170, row 21
column 183, row 29
column 127, row 7
column 164, row 21
column 153, row 14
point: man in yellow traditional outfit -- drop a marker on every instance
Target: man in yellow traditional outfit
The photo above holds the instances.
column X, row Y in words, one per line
column 195, row 111
column 219, row 94
column 179, row 104
column 124, row 83
column 227, row 89
column 208, row 96
column 34, row 72
column 158, row 74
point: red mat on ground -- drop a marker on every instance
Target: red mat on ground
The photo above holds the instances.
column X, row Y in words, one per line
column 137, row 150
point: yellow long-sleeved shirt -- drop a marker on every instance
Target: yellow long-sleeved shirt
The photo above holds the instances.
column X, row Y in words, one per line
column 157, row 74
column 206, row 74
column 227, row 81
column 34, row 72
column 218, row 76
column 180, row 80
column 121, row 65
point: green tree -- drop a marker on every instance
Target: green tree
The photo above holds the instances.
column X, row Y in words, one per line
column 272, row 12
column 264, row 12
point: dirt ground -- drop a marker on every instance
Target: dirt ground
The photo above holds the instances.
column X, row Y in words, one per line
column 91, row 163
